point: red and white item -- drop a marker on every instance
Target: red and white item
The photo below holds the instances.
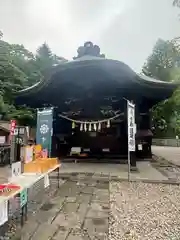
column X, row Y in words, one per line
column 12, row 127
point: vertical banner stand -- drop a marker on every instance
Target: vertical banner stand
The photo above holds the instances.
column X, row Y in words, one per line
column 44, row 128
column 131, row 133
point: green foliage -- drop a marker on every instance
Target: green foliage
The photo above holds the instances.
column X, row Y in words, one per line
column 45, row 59
column 19, row 68
column 164, row 64
column 176, row 3
column 11, row 77
column 162, row 60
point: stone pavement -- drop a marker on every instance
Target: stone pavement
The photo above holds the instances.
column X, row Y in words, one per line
column 171, row 154
column 145, row 170
column 79, row 210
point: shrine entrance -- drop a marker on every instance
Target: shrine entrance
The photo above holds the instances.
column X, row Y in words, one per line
column 98, row 139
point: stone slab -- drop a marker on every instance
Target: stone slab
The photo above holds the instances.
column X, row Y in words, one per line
column 45, row 232
column 101, row 195
column 97, row 214
column 70, row 207
column 72, row 220
column 61, row 234
column 83, row 198
column 29, row 228
column 88, row 190
column 96, row 227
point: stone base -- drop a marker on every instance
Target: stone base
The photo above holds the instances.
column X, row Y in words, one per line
column 133, row 169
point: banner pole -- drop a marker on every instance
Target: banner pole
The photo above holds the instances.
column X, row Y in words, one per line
column 129, row 165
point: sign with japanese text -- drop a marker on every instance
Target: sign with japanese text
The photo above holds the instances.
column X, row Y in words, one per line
column 12, row 127
column 131, row 126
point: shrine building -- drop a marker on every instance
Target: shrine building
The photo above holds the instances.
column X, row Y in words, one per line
column 89, row 95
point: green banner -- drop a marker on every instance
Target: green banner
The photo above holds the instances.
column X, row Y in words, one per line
column 44, row 128
column 23, row 197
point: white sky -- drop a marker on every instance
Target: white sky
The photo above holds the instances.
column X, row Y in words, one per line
column 125, row 30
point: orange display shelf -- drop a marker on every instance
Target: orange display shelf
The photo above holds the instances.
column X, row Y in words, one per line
column 40, row 165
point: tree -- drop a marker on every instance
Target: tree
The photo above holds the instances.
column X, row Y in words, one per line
column 164, row 64
column 164, row 58
column 26, row 61
column 45, row 59
column 11, row 79
column 176, row 3
column 19, row 68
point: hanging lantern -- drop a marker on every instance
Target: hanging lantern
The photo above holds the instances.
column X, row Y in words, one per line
column 81, row 127
column 99, row 126
column 108, row 124
column 90, row 127
column 95, row 127
column 85, row 127
column 73, row 125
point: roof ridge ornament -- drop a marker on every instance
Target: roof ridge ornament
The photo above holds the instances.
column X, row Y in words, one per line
column 89, row 49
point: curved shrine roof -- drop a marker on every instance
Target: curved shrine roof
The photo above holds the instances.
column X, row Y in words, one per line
column 88, row 73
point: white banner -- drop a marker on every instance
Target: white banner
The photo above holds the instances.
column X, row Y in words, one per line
column 131, row 126
column 3, row 212
column 46, row 181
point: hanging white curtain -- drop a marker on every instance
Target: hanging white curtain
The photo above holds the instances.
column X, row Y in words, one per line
column 85, row 127
column 90, row 127
column 108, row 124
column 99, row 126
column 81, row 127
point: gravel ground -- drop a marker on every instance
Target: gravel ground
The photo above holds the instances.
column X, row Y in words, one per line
column 144, row 211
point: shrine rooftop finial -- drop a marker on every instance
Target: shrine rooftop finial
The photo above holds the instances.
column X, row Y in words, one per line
column 89, row 49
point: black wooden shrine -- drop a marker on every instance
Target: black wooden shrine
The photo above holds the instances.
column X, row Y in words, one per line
column 92, row 87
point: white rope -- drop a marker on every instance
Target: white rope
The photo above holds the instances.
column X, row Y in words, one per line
column 91, row 122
